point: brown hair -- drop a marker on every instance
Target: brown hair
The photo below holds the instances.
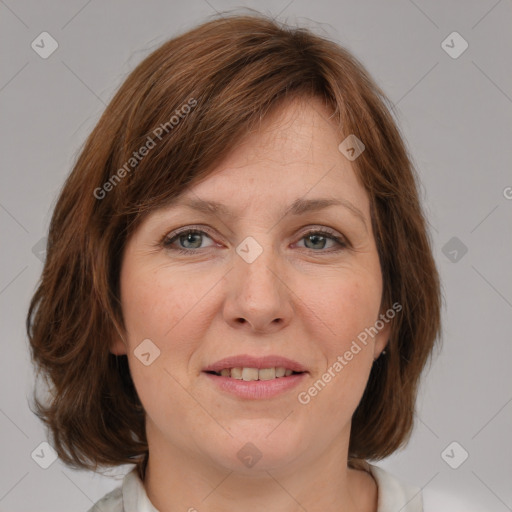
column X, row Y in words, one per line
column 231, row 72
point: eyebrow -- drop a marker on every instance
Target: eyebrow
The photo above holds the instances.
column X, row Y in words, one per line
column 299, row 207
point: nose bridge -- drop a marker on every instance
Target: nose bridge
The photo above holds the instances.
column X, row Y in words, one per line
column 257, row 262
column 257, row 294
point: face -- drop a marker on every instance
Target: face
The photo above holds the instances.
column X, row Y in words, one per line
column 274, row 278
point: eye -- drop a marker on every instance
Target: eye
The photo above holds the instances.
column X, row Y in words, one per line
column 318, row 238
column 188, row 240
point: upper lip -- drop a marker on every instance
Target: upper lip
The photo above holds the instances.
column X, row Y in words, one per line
column 247, row 361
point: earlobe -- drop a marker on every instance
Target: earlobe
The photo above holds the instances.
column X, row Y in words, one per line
column 381, row 341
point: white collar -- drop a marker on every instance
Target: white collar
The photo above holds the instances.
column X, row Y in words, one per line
column 393, row 495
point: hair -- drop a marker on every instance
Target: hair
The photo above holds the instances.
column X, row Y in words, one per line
column 205, row 89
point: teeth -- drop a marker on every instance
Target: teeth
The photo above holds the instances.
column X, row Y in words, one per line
column 267, row 373
column 251, row 374
column 280, row 371
column 236, row 373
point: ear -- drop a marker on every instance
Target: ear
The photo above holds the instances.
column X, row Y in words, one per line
column 118, row 347
column 381, row 338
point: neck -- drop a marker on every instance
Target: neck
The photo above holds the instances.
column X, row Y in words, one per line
column 176, row 480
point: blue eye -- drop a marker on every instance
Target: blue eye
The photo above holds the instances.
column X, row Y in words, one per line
column 322, row 236
column 188, row 236
column 190, row 240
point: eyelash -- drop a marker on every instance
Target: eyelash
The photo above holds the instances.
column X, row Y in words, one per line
column 168, row 240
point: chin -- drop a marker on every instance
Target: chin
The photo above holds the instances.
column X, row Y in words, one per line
column 259, row 448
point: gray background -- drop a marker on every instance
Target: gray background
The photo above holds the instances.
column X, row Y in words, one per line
column 456, row 117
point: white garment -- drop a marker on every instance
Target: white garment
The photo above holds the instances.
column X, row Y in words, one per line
column 393, row 495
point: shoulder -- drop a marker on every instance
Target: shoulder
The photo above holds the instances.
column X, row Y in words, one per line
column 128, row 497
column 394, row 494
column 111, row 502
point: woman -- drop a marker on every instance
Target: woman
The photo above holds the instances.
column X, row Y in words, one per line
column 239, row 295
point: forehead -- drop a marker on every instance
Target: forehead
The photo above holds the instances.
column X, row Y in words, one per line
column 287, row 166
column 292, row 154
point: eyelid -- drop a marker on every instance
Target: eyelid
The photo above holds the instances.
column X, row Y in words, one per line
column 322, row 229
column 185, row 229
column 341, row 239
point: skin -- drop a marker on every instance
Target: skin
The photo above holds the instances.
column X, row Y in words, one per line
column 303, row 298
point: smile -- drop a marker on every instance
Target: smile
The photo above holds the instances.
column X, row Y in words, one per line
column 249, row 385
column 252, row 374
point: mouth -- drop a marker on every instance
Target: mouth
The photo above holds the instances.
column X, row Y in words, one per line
column 251, row 377
column 251, row 374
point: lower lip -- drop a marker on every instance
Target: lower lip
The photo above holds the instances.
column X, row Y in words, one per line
column 256, row 389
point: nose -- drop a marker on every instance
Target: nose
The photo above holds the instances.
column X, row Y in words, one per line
column 258, row 298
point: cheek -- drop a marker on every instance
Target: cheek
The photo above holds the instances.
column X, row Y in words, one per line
column 156, row 306
column 171, row 309
column 349, row 305
column 156, row 300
